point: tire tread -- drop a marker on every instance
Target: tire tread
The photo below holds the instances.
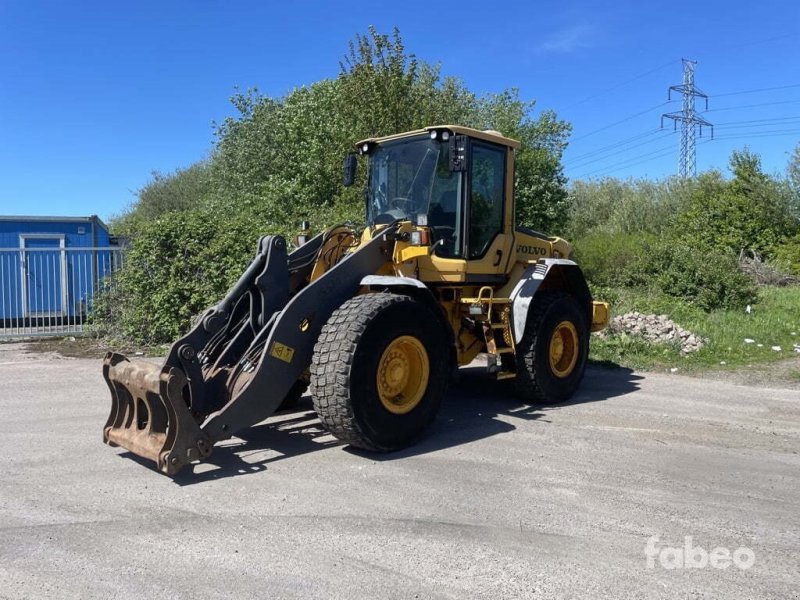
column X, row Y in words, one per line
column 332, row 361
column 526, row 384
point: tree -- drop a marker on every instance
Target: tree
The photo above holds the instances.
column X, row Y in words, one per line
column 540, row 186
column 279, row 162
column 165, row 193
column 751, row 211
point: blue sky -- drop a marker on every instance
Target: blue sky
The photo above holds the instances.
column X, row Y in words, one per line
column 96, row 95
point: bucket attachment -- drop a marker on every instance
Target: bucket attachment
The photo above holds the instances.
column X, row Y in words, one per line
column 243, row 356
column 149, row 413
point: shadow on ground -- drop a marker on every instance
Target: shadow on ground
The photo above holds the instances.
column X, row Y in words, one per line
column 469, row 412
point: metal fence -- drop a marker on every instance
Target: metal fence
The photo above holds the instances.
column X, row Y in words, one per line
column 50, row 291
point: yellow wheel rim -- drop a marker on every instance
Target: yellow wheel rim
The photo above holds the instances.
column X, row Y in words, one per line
column 564, row 347
column 402, row 375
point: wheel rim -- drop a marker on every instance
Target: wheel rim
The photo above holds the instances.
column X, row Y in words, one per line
column 402, row 376
column 564, row 347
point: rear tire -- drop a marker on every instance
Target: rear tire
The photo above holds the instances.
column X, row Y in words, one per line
column 551, row 357
column 378, row 373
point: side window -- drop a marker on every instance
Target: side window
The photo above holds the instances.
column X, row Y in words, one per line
column 445, row 212
column 488, row 171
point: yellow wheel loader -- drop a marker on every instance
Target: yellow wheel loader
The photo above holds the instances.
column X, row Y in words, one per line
column 374, row 322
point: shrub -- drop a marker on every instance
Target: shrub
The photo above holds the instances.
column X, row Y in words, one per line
column 787, row 255
column 178, row 265
column 609, row 259
column 279, row 161
column 632, row 207
column 702, row 275
column 751, row 211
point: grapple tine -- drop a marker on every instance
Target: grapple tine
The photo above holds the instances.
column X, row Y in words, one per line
column 150, row 415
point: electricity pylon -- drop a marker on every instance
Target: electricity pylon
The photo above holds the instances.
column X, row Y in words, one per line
column 689, row 119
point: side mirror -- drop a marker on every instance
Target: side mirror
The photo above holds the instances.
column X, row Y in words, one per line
column 350, row 166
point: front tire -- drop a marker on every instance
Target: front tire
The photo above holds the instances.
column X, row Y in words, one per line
column 378, row 373
column 551, row 357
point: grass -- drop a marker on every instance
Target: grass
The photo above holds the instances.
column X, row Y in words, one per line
column 774, row 321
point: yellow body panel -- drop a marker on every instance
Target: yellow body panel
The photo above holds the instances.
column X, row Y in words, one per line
column 487, row 136
column 456, row 282
column 600, row 315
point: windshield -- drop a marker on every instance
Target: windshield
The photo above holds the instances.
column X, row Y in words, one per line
column 411, row 177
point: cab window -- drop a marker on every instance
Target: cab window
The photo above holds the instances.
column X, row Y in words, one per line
column 445, row 213
column 487, row 172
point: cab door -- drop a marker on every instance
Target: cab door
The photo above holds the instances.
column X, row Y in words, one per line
column 489, row 233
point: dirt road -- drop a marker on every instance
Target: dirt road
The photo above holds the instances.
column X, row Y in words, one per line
column 499, row 500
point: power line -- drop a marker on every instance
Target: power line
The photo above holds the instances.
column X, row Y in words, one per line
column 767, row 89
column 621, row 151
column 614, row 145
column 758, row 125
column 639, row 114
column 603, row 150
column 623, row 84
column 753, row 105
column 630, row 162
column 764, row 41
column 726, row 123
column 667, row 150
column 640, row 162
column 760, row 134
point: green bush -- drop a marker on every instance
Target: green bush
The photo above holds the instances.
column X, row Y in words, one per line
column 279, row 161
column 630, row 207
column 179, row 266
column 752, row 211
column 611, row 259
column 702, row 275
column 682, row 238
column 787, row 255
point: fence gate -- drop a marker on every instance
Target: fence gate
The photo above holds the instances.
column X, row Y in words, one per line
column 47, row 289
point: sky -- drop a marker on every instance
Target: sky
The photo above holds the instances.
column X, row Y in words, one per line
column 95, row 96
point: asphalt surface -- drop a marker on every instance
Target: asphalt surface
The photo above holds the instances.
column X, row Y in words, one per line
column 499, row 500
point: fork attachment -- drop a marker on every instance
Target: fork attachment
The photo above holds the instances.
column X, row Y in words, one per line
column 149, row 413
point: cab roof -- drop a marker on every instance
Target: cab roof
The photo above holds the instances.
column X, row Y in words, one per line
column 488, row 136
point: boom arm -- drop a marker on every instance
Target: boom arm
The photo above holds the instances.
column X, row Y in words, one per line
column 241, row 359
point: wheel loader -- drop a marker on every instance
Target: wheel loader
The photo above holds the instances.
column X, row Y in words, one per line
column 376, row 322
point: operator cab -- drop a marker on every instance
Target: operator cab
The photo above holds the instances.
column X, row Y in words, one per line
column 451, row 180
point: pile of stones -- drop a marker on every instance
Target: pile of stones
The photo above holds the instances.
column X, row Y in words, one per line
column 657, row 329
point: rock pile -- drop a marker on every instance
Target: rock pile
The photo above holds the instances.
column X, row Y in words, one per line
column 657, row 329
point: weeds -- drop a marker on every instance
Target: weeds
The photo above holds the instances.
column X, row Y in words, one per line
column 774, row 322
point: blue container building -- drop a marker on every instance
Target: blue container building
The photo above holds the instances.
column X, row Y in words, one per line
column 50, row 267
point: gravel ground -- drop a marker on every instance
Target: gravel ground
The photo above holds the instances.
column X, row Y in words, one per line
column 499, row 500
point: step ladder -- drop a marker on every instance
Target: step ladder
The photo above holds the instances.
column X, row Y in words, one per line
column 494, row 317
